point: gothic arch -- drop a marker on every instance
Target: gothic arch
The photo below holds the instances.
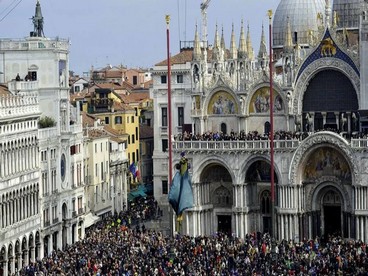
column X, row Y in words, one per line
column 323, row 138
column 213, row 160
column 325, row 184
column 315, row 67
column 253, row 159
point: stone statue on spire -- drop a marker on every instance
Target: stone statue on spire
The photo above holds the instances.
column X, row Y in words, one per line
column 37, row 20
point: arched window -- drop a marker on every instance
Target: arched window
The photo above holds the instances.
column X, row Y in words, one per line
column 267, row 127
column 223, row 128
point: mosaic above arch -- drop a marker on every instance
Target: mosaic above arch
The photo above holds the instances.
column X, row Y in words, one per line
column 222, row 103
column 260, row 101
column 326, row 161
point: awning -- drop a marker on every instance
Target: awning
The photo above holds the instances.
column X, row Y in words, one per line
column 137, row 193
column 90, row 219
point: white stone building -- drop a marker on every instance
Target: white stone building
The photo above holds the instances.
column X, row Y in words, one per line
column 42, row 185
column 320, row 123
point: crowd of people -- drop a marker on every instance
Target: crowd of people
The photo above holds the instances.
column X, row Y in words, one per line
column 255, row 135
column 122, row 245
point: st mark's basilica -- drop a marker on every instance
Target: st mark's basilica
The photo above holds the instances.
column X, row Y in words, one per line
column 221, row 120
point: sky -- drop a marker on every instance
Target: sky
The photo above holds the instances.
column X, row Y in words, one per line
column 130, row 32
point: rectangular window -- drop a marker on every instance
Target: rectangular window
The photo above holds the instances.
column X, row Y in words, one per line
column 102, row 172
column 165, row 145
column 133, row 139
column 107, row 120
column 164, row 116
column 180, row 116
column 135, row 80
column 132, row 119
column 165, row 187
column 179, row 79
column 163, row 79
column 96, row 169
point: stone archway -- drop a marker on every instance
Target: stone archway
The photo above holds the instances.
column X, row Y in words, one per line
column 216, row 198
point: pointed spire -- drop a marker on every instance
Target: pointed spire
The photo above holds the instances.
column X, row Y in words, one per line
column 288, row 45
column 217, row 39
column 233, row 49
column 249, row 45
column 37, row 20
column 223, row 46
column 242, row 52
column 197, row 46
column 262, row 47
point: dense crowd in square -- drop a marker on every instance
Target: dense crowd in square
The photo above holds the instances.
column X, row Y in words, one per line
column 122, row 245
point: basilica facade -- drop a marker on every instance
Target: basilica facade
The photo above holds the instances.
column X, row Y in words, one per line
column 220, row 99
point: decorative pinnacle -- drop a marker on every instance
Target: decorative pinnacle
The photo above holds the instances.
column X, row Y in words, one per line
column 269, row 13
column 167, row 18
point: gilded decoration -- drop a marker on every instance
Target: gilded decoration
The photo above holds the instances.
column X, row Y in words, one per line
column 222, row 103
column 326, row 161
column 328, row 47
column 260, row 101
column 324, row 138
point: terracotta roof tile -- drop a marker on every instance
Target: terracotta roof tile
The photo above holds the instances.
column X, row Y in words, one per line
column 87, row 119
column 181, row 58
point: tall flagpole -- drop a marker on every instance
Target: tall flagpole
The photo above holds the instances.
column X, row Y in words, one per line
column 273, row 222
column 167, row 18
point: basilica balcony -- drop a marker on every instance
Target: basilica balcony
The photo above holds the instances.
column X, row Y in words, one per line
column 234, row 145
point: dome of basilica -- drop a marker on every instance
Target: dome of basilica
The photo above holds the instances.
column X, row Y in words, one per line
column 348, row 13
column 302, row 15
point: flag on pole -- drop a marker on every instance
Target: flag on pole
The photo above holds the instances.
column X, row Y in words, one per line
column 181, row 194
column 134, row 169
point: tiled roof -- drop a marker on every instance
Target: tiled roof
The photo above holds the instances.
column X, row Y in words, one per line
column 87, row 120
column 97, row 133
column 187, row 56
column 4, row 90
column 134, row 97
column 181, row 58
column 111, row 131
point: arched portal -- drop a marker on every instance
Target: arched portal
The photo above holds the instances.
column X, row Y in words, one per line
column 216, row 192
column 258, row 179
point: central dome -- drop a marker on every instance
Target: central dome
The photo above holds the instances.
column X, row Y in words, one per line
column 302, row 15
column 348, row 12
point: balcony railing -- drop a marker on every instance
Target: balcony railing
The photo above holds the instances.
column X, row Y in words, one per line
column 249, row 145
column 234, row 145
column 46, row 223
column 55, row 220
column 74, row 214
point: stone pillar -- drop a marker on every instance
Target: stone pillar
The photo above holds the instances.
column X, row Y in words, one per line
column 33, row 251
column 324, row 115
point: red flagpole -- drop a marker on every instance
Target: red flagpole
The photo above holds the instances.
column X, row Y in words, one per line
column 167, row 17
column 273, row 222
